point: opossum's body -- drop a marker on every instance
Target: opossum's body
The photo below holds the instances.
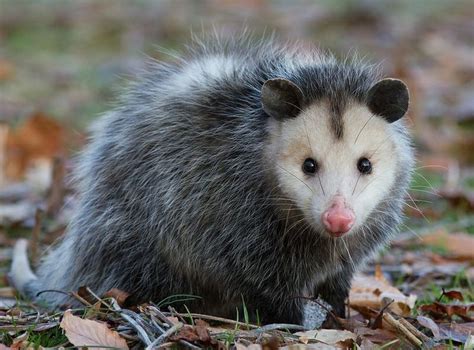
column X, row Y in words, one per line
column 191, row 186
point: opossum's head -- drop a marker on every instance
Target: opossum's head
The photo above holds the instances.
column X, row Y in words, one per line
column 338, row 160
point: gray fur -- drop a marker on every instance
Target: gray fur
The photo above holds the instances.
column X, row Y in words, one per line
column 176, row 196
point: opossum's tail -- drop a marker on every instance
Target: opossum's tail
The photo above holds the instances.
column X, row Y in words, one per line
column 21, row 275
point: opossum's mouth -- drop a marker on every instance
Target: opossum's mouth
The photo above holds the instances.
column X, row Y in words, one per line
column 336, row 234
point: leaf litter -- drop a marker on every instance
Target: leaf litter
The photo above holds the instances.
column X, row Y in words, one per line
column 417, row 294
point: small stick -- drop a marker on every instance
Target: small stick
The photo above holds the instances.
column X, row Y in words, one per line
column 402, row 329
column 139, row 329
column 275, row 326
column 160, row 315
column 35, row 236
column 57, row 189
column 413, row 330
column 162, row 338
column 215, row 318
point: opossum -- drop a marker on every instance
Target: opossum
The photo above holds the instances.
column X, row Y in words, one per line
column 244, row 171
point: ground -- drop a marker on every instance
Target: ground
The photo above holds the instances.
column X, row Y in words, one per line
column 62, row 63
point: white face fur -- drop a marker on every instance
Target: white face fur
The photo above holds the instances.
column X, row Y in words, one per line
column 309, row 135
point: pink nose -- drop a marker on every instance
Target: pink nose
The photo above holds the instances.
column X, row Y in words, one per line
column 338, row 219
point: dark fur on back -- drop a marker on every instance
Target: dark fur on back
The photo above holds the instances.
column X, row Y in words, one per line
column 175, row 195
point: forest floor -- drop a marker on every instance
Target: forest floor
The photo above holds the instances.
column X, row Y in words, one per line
column 62, row 64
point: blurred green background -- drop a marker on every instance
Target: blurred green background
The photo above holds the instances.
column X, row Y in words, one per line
column 69, row 59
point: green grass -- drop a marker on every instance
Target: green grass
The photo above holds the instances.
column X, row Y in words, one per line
column 49, row 338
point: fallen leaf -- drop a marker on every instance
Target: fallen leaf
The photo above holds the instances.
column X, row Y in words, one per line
column 186, row 333
column 375, row 292
column 456, row 331
column 430, row 324
column 240, row 346
column 441, row 310
column 39, row 138
column 453, row 294
column 6, row 69
column 7, row 292
column 123, row 298
column 315, row 346
column 458, row 245
column 377, row 336
column 448, row 331
column 82, row 332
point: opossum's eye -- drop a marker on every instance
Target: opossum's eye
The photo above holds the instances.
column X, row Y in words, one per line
column 310, row 166
column 364, row 165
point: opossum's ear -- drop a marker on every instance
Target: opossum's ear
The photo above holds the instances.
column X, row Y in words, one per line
column 389, row 99
column 281, row 98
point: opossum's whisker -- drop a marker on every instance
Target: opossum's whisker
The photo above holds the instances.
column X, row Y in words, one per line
column 421, row 189
column 431, row 167
column 421, row 201
column 348, row 253
column 296, row 177
column 379, row 146
column 353, row 191
column 296, row 224
column 293, row 105
column 417, row 208
column 321, row 184
column 307, row 135
column 363, row 127
column 286, row 221
column 412, row 231
column 363, row 189
column 426, row 180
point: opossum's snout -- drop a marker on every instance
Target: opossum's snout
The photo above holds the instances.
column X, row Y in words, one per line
column 339, row 218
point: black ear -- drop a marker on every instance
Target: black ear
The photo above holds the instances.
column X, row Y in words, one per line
column 281, row 98
column 389, row 99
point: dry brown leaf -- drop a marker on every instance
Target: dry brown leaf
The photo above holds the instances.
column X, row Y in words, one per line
column 315, row 346
column 6, row 69
column 377, row 336
column 240, row 346
column 39, row 138
column 459, row 245
column 7, row 292
column 82, row 332
column 441, row 311
column 375, row 292
column 119, row 295
column 453, row 294
column 187, row 333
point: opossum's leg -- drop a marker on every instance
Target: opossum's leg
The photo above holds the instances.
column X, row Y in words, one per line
column 283, row 311
column 335, row 291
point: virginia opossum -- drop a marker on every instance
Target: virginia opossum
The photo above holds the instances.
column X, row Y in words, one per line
column 242, row 171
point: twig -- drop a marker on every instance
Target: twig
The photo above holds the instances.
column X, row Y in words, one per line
column 81, row 299
column 57, row 189
column 217, row 319
column 162, row 338
column 138, row 328
column 160, row 315
column 275, row 326
column 116, row 308
column 35, row 236
column 415, row 331
column 402, row 329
